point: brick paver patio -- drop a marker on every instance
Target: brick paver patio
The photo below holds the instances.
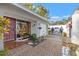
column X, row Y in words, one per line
column 50, row 47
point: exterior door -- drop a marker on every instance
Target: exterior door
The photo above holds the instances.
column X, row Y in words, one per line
column 11, row 35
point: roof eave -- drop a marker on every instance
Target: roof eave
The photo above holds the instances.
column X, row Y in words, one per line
column 30, row 12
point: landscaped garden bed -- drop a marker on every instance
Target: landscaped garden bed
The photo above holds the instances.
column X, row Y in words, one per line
column 34, row 41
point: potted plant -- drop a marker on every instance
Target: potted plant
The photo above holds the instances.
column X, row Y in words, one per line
column 34, row 39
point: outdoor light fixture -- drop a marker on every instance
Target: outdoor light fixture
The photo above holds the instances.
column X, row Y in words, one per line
column 33, row 25
column 48, row 28
column 40, row 28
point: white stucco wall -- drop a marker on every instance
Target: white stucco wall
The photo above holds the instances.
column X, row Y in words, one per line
column 34, row 27
column 40, row 32
column 18, row 13
column 43, row 31
column 15, row 12
column 75, row 28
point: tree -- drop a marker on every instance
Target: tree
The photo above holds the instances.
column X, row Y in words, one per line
column 3, row 22
column 62, row 22
column 65, row 21
column 29, row 6
column 42, row 11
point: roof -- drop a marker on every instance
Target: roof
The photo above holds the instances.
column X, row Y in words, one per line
column 22, row 7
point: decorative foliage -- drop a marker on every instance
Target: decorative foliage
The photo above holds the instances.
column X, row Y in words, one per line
column 33, row 37
column 2, row 53
column 62, row 22
column 0, row 36
column 4, row 24
column 6, row 21
column 29, row 5
column 39, row 9
column 42, row 11
column 1, row 24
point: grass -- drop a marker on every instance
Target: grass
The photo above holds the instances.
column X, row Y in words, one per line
column 6, row 50
column 2, row 53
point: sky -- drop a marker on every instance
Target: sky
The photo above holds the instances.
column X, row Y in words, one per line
column 58, row 11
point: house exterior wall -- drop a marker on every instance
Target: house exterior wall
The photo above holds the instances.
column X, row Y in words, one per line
column 75, row 28
column 34, row 28
column 43, row 31
column 11, row 35
column 39, row 32
column 15, row 12
column 12, row 11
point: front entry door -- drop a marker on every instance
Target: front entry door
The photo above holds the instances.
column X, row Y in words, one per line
column 11, row 35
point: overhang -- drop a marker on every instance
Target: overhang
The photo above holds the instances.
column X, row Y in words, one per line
column 25, row 9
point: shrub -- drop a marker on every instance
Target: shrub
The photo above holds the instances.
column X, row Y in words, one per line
column 34, row 37
column 2, row 53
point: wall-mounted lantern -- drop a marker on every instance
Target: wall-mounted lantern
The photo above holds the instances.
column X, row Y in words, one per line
column 48, row 28
column 40, row 27
column 33, row 25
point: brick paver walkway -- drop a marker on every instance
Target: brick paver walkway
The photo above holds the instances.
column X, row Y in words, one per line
column 50, row 47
